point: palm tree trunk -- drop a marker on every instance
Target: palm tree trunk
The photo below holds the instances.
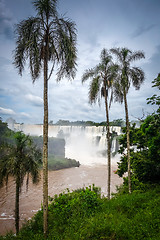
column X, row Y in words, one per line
column 45, row 145
column 108, row 145
column 128, row 142
column 17, row 204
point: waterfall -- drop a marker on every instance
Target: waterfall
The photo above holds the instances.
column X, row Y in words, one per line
column 87, row 144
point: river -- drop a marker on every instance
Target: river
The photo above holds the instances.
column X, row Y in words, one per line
column 30, row 201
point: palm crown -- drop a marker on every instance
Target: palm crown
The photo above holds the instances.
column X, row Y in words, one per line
column 47, row 28
column 102, row 76
column 127, row 73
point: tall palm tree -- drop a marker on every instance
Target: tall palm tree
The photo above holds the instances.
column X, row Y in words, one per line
column 127, row 75
column 19, row 160
column 102, row 76
column 46, row 38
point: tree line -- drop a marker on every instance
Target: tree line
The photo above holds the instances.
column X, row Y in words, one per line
column 117, row 122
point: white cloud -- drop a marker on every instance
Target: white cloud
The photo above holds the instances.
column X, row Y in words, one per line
column 25, row 114
column 6, row 111
column 35, row 100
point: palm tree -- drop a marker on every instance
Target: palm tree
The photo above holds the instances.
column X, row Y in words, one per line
column 19, row 160
column 127, row 75
column 102, row 76
column 46, row 38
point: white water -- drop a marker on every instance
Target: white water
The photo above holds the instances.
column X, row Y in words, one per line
column 85, row 144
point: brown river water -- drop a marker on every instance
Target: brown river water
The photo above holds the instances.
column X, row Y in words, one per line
column 59, row 181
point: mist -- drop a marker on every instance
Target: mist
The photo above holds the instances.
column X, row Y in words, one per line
column 86, row 144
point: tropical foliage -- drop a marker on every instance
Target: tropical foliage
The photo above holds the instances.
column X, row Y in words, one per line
column 6, row 135
column 145, row 142
column 19, row 160
column 155, row 100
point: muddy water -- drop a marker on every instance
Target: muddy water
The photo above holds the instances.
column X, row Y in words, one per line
column 30, row 201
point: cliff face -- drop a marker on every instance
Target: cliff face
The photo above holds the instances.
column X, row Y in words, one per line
column 56, row 146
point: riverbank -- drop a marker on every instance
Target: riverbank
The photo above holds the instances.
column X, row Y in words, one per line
column 58, row 163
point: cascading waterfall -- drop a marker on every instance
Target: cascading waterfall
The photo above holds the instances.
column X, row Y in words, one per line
column 86, row 144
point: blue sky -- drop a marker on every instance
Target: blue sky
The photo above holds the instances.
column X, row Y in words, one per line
column 134, row 24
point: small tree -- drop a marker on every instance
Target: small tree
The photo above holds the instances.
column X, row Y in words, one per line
column 19, row 160
column 102, row 77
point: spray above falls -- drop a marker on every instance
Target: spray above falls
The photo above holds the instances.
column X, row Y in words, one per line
column 86, row 144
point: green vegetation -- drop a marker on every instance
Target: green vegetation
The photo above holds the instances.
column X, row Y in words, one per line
column 84, row 215
column 57, row 163
column 6, row 135
column 145, row 152
column 18, row 160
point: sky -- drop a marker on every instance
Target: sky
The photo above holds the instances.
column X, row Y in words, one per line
column 134, row 24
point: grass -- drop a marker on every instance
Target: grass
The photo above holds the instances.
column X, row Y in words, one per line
column 83, row 215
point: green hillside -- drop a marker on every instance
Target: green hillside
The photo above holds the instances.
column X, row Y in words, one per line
column 83, row 214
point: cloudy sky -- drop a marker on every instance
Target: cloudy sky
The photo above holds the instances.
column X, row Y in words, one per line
column 134, row 24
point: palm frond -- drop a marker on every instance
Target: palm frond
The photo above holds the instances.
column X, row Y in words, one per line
column 89, row 73
column 137, row 76
column 137, row 55
column 59, row 34
column 156, row 82
column 112, row 72
column 111, row 98
column 7, row 159
column 105, row 57
column 117, row 52
column 46, row 8
column 27, row 46
column 126, row 53
column 123, row 54
column 19, row 159
column 118, row 91
column 94, row 88
column 126, row 73
column 65, row 41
